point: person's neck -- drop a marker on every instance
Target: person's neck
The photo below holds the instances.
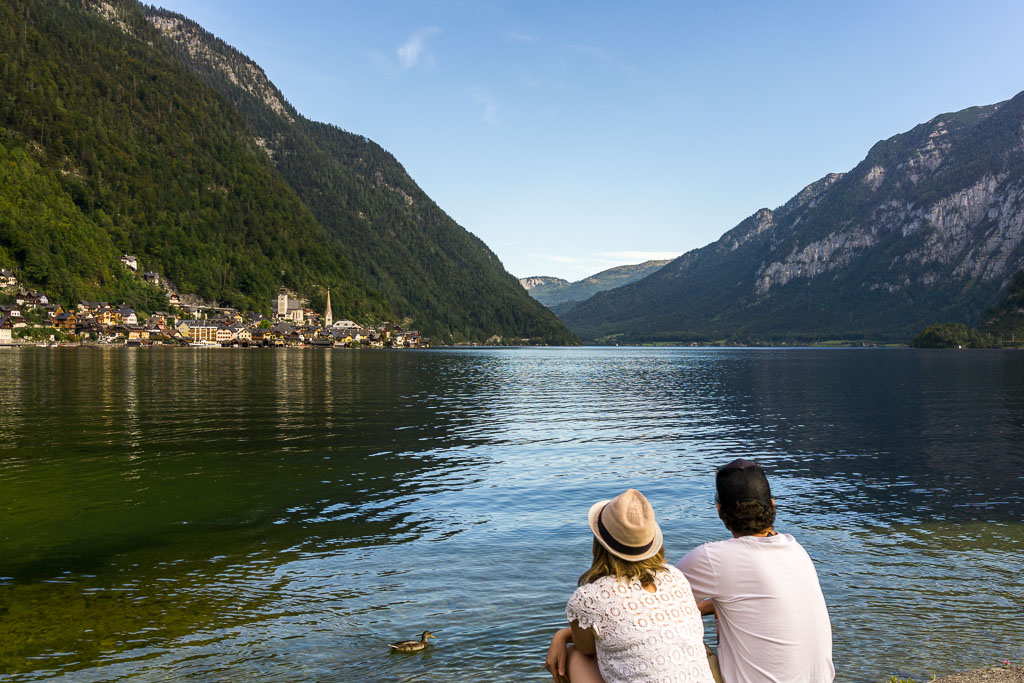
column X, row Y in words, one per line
column 760, row 534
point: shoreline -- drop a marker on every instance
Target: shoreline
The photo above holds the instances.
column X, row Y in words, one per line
column 996, row 674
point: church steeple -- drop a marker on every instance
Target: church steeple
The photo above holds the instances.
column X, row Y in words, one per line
column 328, row 318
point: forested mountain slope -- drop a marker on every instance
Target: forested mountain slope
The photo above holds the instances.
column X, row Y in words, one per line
column 929, row 226
column 109, row 145
column 1004, row 323
column 436, row 274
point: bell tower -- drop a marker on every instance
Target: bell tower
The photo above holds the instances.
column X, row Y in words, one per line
column 328, row 318
column 282, row 302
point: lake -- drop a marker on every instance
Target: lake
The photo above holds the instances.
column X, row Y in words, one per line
column 283, row 514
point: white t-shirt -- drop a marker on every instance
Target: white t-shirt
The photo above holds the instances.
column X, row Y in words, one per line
column 642, row 636
column 773, row 624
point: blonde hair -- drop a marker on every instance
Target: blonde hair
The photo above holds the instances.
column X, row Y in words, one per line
column 606, row 564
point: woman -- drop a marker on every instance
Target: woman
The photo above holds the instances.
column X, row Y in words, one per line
column 635, row 612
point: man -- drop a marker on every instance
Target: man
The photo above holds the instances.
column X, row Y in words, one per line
column 772, row 622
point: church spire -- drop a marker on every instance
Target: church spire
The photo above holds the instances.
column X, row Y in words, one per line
column 328, row 318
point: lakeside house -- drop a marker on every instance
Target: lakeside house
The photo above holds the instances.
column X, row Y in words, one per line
column 6, row 330
column 31, row 299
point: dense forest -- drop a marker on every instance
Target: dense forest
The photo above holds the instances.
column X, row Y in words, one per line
column 436, row 275
column 112, row 146
column 1002, row 326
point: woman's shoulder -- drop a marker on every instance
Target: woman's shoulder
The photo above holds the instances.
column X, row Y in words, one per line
column 599, row 584
column 670, row 572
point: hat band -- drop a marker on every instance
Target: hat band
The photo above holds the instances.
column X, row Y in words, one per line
column 615, row 545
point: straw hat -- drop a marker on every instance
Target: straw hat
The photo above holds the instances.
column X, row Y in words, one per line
column 625, row 526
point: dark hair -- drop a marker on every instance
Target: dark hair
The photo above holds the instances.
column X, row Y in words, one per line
column 744, row 498
column 748, row 517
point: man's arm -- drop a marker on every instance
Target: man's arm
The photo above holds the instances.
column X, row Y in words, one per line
column 697, row 569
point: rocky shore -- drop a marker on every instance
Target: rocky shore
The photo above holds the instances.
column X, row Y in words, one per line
column 998, row 674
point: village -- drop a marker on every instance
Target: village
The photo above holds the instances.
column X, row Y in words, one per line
column 32, row 319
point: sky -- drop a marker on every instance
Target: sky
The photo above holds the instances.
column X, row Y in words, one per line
column 576, row 136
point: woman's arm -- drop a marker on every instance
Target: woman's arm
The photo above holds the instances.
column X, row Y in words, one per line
column 558, row 655
column 583, row 639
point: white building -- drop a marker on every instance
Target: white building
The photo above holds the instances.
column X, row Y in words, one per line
column 288, row 307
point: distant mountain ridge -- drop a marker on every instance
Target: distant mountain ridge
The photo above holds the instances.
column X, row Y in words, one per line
column 434, row 273
column 558, row 294
column 928, row 227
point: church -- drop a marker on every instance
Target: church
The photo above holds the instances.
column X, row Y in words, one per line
column 288, row 307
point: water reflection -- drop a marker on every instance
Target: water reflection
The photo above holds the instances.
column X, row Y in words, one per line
column 280, row 514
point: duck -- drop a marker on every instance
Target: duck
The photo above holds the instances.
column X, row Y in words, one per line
column 412, row 645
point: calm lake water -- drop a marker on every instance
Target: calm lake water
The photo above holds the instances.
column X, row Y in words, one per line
column 283, row 514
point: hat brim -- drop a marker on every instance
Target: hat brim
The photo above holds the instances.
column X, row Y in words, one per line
column 656, row 544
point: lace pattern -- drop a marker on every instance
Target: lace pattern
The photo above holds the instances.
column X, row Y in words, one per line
column 644, row 636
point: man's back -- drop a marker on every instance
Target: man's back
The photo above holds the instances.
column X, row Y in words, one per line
column 772, row 620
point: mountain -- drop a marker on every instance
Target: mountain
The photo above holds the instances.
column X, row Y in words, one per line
column 929, row 226
column 542, row 281
column 555, row 293
column 436, row 275
column 1003, row 325
column 109, row 145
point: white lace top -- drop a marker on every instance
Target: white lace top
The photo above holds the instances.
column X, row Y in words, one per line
column 644, row 636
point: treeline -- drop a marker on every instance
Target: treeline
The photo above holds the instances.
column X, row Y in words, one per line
column 1002, row 326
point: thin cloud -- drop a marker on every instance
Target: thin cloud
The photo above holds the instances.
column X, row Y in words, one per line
column 414, row 49
column 529, row 81
column 631, row 257
column 600, row 55
column 580, row 267
column 490, row 105
column 521, row 37
column 555, row 258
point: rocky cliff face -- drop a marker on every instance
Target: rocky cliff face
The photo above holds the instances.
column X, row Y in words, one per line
column 529, row 283
column 930, row 226
column 241, row 73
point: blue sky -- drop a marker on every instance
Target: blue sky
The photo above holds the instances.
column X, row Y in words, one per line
column 574, row 136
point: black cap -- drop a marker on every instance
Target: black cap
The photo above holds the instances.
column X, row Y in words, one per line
column 742, row 481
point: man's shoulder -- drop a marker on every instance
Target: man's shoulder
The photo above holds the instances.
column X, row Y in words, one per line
column 742, row 545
